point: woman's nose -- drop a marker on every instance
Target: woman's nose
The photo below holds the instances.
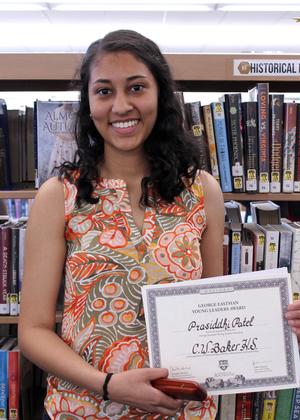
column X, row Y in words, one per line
column 121, row 104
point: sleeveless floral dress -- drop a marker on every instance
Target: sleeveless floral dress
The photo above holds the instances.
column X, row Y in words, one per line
column 108, row 261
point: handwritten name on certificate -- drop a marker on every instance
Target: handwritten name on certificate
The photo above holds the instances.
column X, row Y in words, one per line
column 228, row 333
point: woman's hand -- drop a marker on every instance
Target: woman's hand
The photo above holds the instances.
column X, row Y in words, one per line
column 293, row 317
column 133, row 387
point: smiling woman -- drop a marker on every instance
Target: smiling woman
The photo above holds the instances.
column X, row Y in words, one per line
column 133, row 208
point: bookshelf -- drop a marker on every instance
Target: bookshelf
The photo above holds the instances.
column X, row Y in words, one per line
column 193, row 72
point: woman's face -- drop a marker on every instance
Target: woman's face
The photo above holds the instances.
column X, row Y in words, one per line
column 123, row 97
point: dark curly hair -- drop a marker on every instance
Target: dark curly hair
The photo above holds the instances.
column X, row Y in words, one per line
column 174, row 157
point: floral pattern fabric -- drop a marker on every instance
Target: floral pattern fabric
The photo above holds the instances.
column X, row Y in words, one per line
column 108, row 261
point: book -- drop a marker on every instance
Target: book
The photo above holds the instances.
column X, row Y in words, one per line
column 271, row 247
column 276, row 131
column 269, row 405
column 13, row 383
column 289, row 142
column 4, row 349
column 295, row 262
column 29, row 167
column 297, row 153
column 246, row 252
column 222, row 145
column 260, row 93
column 212, row 148
column 265, row 212
column 244, row 403
column 285, row 246
column 55, row 138
column 233, row 113
column 227, row 407
column 16, row 145
column 195, row 123
column 284, row 404
column 233, row 215
column 250, row 135
column 226, row 248
column 295, row 409
column 5, row 274
column 258, row 240
column 5, row 159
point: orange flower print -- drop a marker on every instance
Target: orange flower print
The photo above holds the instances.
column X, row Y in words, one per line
column 204, row 410
column 113, row 238
column 107, row 318
column 179, row 253
column 127, row 317
column 111, row 290
column 136, row 275
column 124, row 354
column 70, row 196
column 118, row 304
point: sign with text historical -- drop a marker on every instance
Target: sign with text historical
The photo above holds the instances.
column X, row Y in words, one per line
column 264, row 67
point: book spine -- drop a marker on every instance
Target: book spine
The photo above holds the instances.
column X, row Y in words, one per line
column 276, row 131
column 271, row 249
column 263, row 136
column 284, row 404
column 249, row 110
column 269, row 406
column 226, row 245
column 3, row 385
column 227, row 407
column 289, row 141
column 6, row 270
column 5, row 158
column 246, row 258
column 297, row 153
column 222, row 145
column 257, row 406
column 244, row 402
column 209, row 128
column 295, row 409
column 285, row 250
column 295, row 263
column 196, row 125
column 13, row 385
column 235, row 263
column 233, row 123
column 14, row 292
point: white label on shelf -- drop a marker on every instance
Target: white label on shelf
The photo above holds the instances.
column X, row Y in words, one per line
column 287, row 186
column 297, row 186
column 262, row 67
column 264, row 187
column 237, row 170
column 251, row 185
column 275, row 187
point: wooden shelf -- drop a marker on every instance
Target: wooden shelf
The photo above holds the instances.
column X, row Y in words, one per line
column 262, row 196
column 18, row 194
column 227, row 196
column 7, row 319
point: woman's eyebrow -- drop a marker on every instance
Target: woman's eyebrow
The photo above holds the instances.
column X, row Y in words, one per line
column 129, row 79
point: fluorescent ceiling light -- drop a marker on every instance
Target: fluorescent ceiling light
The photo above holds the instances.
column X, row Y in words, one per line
column 132, row 6
column 259, row 8
column 23, row 7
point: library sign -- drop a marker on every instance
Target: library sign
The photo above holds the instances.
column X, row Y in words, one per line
column 262, row 67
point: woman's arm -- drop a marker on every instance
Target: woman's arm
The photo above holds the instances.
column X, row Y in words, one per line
column 212, row 239
column 43, row 267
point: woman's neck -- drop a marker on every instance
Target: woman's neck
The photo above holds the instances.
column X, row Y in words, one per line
column 128, row 168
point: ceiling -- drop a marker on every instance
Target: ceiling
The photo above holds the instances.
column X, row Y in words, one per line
column 174, row 31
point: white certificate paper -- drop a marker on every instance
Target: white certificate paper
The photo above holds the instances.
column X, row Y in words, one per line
column 228, row 333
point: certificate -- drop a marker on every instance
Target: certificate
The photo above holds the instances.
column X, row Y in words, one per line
column 228, row 333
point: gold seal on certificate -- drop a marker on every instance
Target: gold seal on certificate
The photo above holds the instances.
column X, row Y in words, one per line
column 228, row 333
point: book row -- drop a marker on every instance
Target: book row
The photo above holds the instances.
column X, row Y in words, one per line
column 268, row 242
column 283, row 404
column 248, row 145
column 35, row 141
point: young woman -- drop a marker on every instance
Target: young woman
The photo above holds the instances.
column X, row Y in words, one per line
column 133, row 209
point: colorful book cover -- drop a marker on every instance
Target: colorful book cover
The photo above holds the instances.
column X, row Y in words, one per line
column 297, row 153
column 55, row 139
column 276, row 131
column 13, row 383
column 194, row 117
column 260, row 93
column 250, row 136
column 209, row 128
column 222, row 145
column 233, row 114
column 289, row 142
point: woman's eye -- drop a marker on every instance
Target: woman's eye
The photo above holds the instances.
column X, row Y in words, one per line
column 137, row 88
column 103, row 91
